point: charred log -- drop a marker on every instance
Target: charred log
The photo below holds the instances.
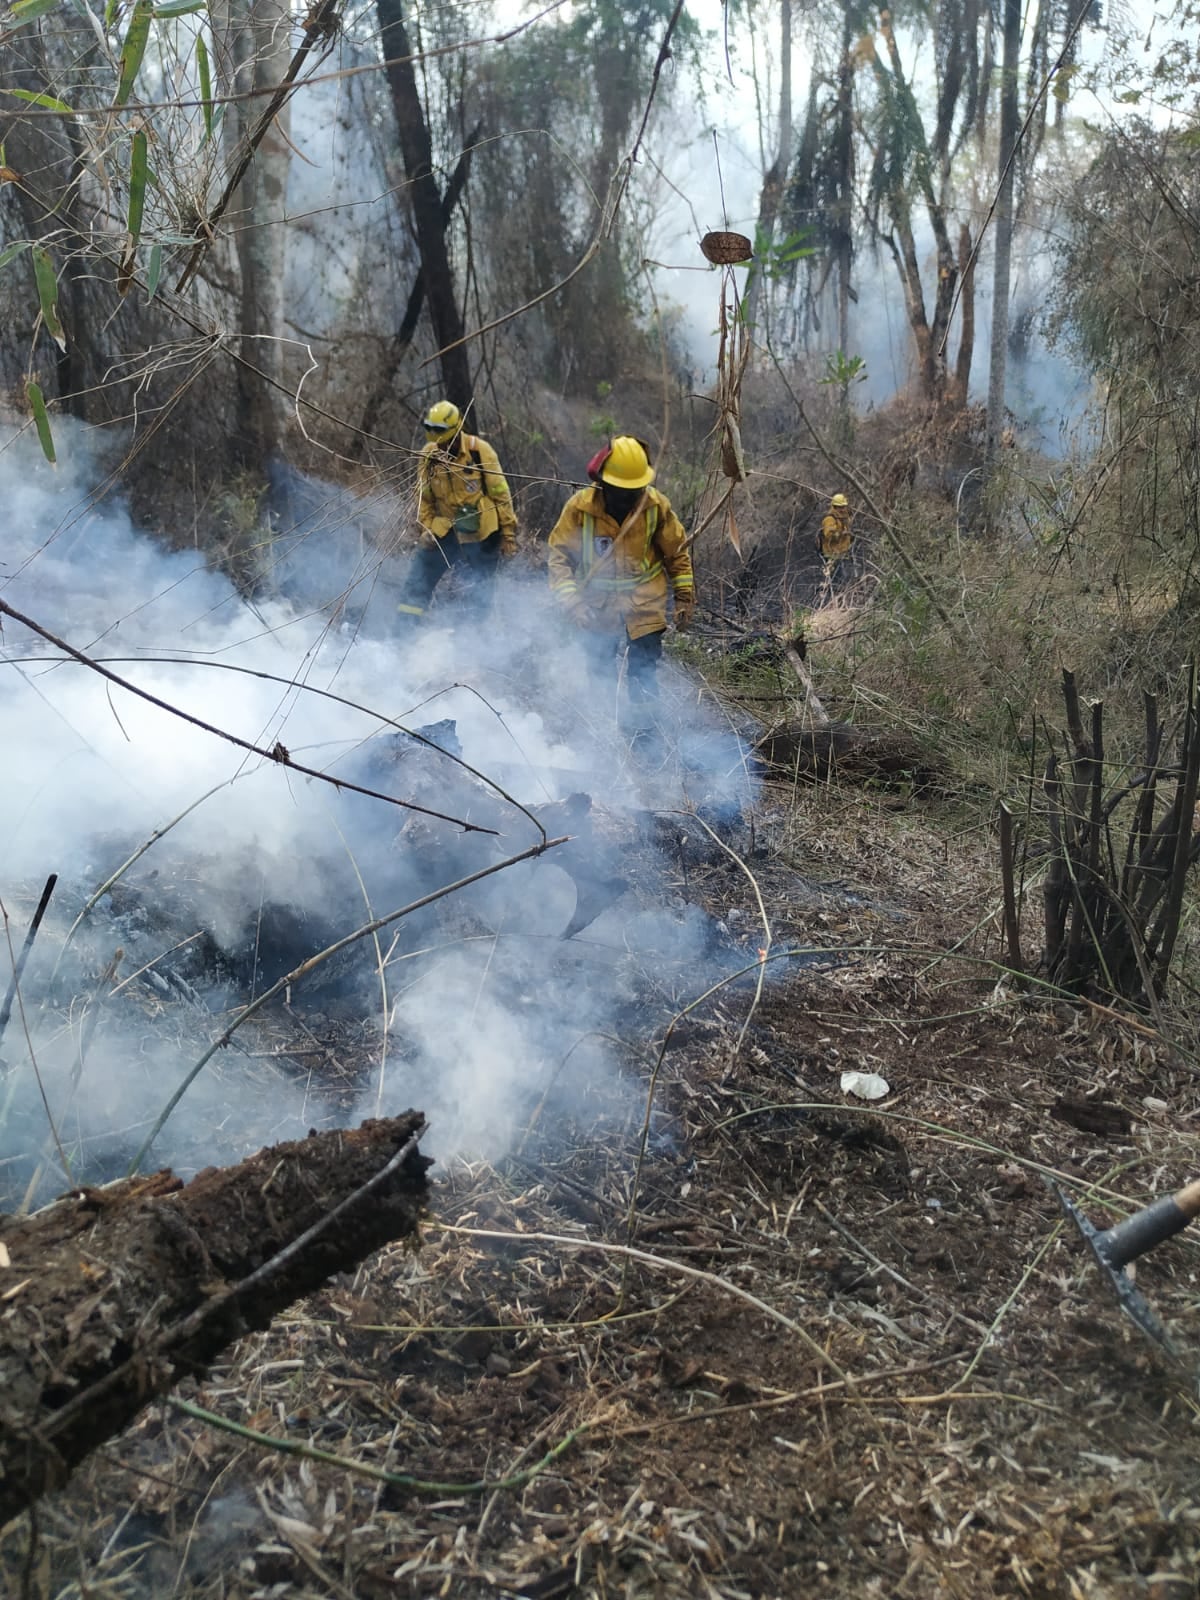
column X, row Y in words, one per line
column 111, row 1295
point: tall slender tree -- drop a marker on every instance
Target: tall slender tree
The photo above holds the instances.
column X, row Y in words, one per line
column 775, row 180
column 426, row 199
column 1003, row 228
column 253, row 50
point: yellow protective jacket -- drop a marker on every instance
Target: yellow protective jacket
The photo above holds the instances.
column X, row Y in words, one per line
column 836, row 537
column 612, row 575
column 469, row 480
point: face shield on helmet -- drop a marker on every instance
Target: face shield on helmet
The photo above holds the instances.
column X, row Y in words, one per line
column 442, row 421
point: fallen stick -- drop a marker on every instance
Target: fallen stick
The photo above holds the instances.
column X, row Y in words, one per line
column 19, row 967
column 111, row 1295
column 816, row 710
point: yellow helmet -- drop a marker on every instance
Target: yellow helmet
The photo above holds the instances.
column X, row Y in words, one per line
column 628, row 464
column 443, row 420
column 839, row 500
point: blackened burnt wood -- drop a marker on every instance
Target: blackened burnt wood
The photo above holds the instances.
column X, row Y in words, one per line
column 109, row 1296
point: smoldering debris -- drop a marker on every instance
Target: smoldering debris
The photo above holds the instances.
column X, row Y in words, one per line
column 478, row 1006
column 222, row 874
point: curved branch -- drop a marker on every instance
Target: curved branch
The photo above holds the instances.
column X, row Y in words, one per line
column 277, row 753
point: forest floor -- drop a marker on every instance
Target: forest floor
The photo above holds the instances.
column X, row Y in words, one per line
column 810, row 1345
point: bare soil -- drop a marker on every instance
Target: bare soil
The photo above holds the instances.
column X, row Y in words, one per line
column 808, row 1344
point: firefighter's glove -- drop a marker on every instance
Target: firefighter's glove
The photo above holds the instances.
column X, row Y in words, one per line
column 466, row 523
column 508, row 543
column 684, row 607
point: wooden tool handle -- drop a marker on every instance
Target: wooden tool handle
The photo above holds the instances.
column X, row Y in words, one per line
column 1188, row 1199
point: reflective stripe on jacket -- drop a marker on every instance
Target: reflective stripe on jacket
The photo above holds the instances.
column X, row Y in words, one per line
column 448, row 486
column 622, row 574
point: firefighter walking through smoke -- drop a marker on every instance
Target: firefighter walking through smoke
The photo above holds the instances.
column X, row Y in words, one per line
column 617, row 554
column 465, row 510
column 835, row 539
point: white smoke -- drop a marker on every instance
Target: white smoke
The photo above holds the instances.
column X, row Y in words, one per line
column 484, row 1000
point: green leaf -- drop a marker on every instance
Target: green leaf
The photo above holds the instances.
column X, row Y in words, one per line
column 47, row 288
column 13, row 251
column 26, row 10
column 180, row 8
column 137, row 206
column 133, row 49
column 205, row 83
column 37, row 405
column 154, row 272
column 137, row 186
column 46, row 100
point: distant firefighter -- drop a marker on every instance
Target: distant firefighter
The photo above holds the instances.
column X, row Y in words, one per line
column 835, row 538
column 464, row 507
column 618, row 553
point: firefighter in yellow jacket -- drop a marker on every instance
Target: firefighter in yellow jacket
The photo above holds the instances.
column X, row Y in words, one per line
column 835, row 540
column 464, row 507
column 618, row 553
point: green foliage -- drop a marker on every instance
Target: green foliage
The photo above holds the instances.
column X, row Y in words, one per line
column 133, row 49
column 775, row 258
column 202, row 69
column 12, row 251
column 47, row 288
column 41, row 420
column 27, row 10
column 843, row 370
column 138, row 170
column 154, row 272
column 48, row 102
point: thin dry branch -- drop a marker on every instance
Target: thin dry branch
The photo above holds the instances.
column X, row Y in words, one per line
column 277, row 753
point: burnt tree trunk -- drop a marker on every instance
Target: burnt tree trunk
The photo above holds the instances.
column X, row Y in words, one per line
column 416, row 148
column 404, row 335
column 1002, row 271
column 111, row 1295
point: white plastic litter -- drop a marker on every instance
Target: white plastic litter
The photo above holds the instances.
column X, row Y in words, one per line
column 866, row 1085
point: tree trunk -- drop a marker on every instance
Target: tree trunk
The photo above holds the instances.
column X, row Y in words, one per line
column 775, row 180
column 416, row 149
column 112, row 1295
column 966, row 340
column 843, row 218
column 403, row 337
column 262, row 237
column 1002, row 267
column 48, row 160
column 930, row 337
column 253, row 51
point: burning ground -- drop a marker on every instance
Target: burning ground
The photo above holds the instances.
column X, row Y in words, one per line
column 686, row 1318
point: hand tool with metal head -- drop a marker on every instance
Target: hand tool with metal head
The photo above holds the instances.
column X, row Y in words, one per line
column 1115, row 1247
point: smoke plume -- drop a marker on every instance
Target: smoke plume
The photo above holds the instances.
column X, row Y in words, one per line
column 471, row 1008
